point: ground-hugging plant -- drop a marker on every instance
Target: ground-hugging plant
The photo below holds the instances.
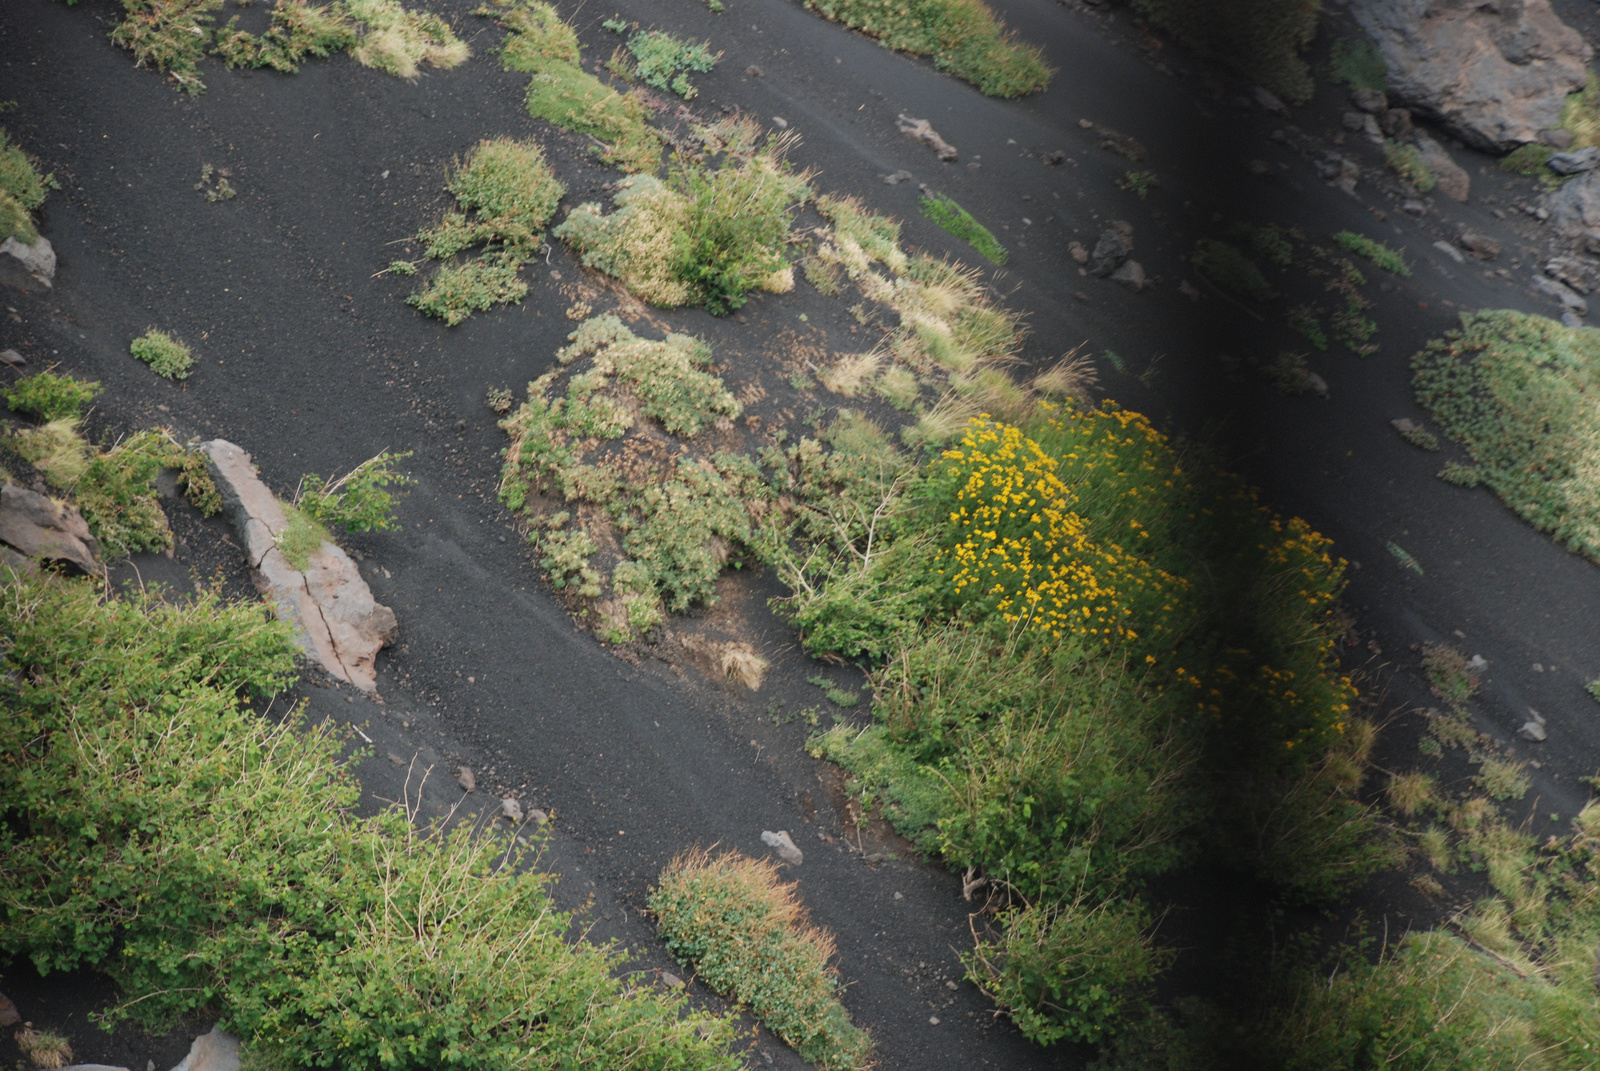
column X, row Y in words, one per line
column 539, row 43
column 157, row 829
column 744, row 932
column 963, row 37
column 1516, row 392
column 959, row 222
column 166, row 356
column 1375, row 251
column 48, row 396
column 665, row 61
column 506, row 194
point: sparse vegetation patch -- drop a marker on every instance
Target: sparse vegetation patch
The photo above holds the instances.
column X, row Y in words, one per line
column 959, row 222
column 166, row 356
column 665, row 61
column 22, row 191
column 1377, row 252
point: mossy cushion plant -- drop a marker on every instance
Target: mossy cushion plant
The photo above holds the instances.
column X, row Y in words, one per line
column 165, row 355
column 746, row 935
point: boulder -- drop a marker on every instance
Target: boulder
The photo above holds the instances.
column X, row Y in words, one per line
column 1575, row 162
column 1452, row 179
column 29, row 267
column 1396, row 123
column 216, row 1051
column 1495, row 73
column 785, row 846
column 1110, row 251
column 1574, row 271
column 1575, row 210
column 34, row 526
column 336, row 620
column 1479, row 245
column 1131, row 275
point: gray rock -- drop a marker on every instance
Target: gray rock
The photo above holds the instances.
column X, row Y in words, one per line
column 1340, row 171
column 38, row 259
column 1131, row 275
column 753, row 71
column 1450, row 251
column 922, row 131
column 1533, row 729
column 12, row 358
column 1316, row 384
column 538, row 816
column 336, row 620
column 512, row 810
column 1413, row 206
column 1268, row 101
column 1453, row 180
column 785, row 846
column 1396, row 123
column 897, row 178
column 1574, row 271
column 1562, row 293
column 1575, row 210
column 1110, row 251
column 1571, row 319
column 1354, row 121
column 672, row 981
column 465, row 779
column 1496, row 74
column 35, row 526
column 1556, row 138
column 1479, row 245
column 1078, row 253
column 216, row 1051
column 1372, row 101
column 1575, row 162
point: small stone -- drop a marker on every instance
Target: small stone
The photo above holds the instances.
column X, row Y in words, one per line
column 897, row 178
column 1396, row 123
column 1538, row 668
column 1450, row 251
column 1478, row 662
column 1479, row 245
column 873, row 859
column 1110, row 251
column 672, row 980
column 1316, row 384
column 1372, row 101
column 1131, row 275
column 753, row 71
column 780, row 122
column 1412, row 206
column 465, row 779
column 396, row 759
column 1355, row 121
column 461, row 425
column 1561, row 292
column 511, row 809
column 1533, row 729
column 1078, row 252
column 950, row 985
column 898, row 896
column 1054, row 159
column 1404, row 425
column 12, row 358
column 785, row 846
column 933, row 1020
column 556, row 275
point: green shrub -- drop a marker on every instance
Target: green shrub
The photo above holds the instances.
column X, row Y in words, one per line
column 1377, row 252
column 1356, row 62
column 296, row 30
column 456, row 291
column 1068, row 971
column 747, row 937
column 1227, row 266
column 1260, row 40
column 358, row 501
column 155, row 828
column 118, row 498
column 1513, row 389
column 959, row 222
column 165, row 355
column 666, row 62
column 48, row 396
column 22, row 191
column 963, row 37
column 1405, row 160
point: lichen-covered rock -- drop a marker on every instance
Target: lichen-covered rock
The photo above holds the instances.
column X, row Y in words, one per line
column 1495, row 73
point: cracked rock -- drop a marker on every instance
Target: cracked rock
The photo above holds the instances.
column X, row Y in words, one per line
column 35, row 526
column 335, row 618
column 1575, row 162
column 1562, row 293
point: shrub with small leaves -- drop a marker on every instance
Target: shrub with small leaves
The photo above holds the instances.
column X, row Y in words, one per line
column 361, row 499
column 165, row 355
column 48, row 396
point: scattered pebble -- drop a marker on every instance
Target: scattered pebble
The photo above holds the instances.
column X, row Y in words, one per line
column 897, row 896
column 556, row 275
column 1533, row 728
column 780, row 122
column 1478, row 662
column 1537, row 668
column 512, row 809
column 753, row 71
column 465, row 779
column 933, row 1020
column 897, row 178
column 672, row 980
column 951, row 985
column 396, row 759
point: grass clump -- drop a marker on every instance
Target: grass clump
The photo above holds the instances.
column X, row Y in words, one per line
column 539, row 43
column 166, row 356
column 707, row 236
column 1377, row 252
column 1405, row 160
column 22, row 191
column 963, row 37
column 398, row 40
column 665, row 61
column 249, row 887
column 1263, row 41
column 1357, row 63
column 1516, row 392
column 48, row 396
column 747, row 936
column 959, row 222
column 296, row 30
column 512, row 193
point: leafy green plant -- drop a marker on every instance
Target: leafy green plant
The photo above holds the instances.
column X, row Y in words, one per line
column 1356, row 62
column 1303, row 320
column 665, row 61
column 839, row 697
column 48, row 396
column 959, row 222
column 296, row 30
column 1227, row 266
column 1452, row 677
column 359, row 501
column 1502, row 779
column 747, row 936
column 1460, row 475
column 566, row 554
column 22, row 191
column 1068, row 971
column 1377, row 252
column 250, row 886
column 165, row 355
column 963, row 37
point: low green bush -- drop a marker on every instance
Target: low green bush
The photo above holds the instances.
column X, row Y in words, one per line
column 157, row 829
column 296, row 30
column 48, row 396
column 22, row 191
column 1263, row 41
column 665, row 61
column 166, row 356
column 1377, row 252
column 361, row 499
column 964, row 37
column 959, row 222
column 1405, row 160
column 747, row 936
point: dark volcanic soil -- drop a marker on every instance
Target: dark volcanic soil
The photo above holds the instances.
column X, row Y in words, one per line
column 313, row 363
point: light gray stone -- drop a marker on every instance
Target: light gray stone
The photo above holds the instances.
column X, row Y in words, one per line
column 1372, row 101
column 1575, row 162
column 1451, row 178
column 1575, row 210
column 216, row 1051
column 511, row 810
column 1450, row 251
column 1131, row 275
column 1495, row 73
column 1562, row 293
column 37, row 259
column 785, row 846
column 922, row 131
column 336, row 620
column 12, row 358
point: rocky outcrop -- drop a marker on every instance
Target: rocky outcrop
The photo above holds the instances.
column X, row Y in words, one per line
column 1494, row 72
column 33, row 526
column 1575, row 210
column 336, row 620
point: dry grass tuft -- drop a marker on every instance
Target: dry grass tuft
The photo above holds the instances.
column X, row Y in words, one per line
column 850, row 373
column 45, row 1049
column 55, row 449
column 939, row 424
column 398, row 41
column 1074, row 376
column 1411, row 792
column 741, row 663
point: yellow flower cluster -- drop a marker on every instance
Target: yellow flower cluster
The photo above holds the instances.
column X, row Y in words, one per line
column 1019, row 546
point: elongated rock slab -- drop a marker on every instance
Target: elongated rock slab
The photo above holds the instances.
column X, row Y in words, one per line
column 336, row 620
